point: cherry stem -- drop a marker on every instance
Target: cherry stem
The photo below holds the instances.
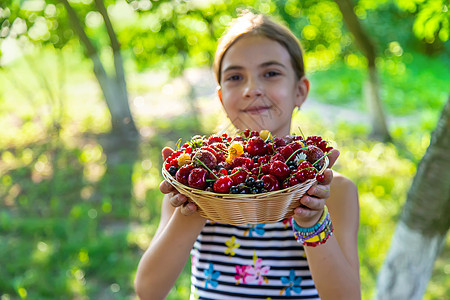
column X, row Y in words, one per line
column 321, row 158
column 295, row 153
column 198, row 160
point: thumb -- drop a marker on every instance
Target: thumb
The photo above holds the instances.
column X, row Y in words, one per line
column 332, row 157
column 166, row 152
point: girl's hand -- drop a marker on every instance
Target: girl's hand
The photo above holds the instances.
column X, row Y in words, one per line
column 176, row 199
column 313, row 202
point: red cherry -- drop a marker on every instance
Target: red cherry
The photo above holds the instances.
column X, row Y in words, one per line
column 223, row 185
column 238, row 175
column 286, row 151
column 285, row 185
column 276, row 157
column 304, row 165
column 301, row 176
column 183, row 173
column 270, row 183
column 293, row 181
column 197, row 178
column 256, row 146
column 311, row 173
column 223, row 171
column 279, row 169
column 279, row 142
column 265, row 168
column 271, row 148
column 254, row 133
column 242, row 162
column 320, row 177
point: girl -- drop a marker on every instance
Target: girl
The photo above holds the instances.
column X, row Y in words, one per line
column 259, row 70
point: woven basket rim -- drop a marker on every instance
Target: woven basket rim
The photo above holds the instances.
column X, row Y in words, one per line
column 240, row 197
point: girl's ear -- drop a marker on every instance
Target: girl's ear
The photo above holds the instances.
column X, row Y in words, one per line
column 302, row 91
column 219, row 93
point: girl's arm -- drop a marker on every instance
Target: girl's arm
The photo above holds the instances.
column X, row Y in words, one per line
column 169, row 250
column 335, row 265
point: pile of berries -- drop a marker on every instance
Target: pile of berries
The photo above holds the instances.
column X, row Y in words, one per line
column 251, row 162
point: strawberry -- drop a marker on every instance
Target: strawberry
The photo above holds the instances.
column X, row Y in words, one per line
column 313, row 154
column 214, row 139
column 204, row 158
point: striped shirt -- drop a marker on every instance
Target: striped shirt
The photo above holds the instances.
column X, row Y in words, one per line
column 261, row 261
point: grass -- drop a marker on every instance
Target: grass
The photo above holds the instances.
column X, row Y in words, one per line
column 76, row 215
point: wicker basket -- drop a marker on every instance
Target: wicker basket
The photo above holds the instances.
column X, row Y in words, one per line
column 241, row 209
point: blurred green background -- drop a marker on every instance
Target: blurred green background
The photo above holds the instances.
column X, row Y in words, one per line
column 80, row 203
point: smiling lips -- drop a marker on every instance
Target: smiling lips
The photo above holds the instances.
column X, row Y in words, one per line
column 256, row 109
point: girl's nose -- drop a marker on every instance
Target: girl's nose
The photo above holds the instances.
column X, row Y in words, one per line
column 253, row 90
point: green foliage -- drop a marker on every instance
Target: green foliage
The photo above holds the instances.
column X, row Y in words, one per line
column 76, row 215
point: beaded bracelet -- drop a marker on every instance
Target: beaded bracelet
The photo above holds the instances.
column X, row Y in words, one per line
column 317, row 234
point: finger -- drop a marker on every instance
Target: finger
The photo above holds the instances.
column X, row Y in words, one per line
column 304, row 213
column 319, row 191
column 178, row 200
column 328, row 177
column 332, row 157
column 188, row 209
column 166, row 152
column 312, row 203
column 165, row 187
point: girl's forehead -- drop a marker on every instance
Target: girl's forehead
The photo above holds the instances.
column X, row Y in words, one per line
column 254, row 50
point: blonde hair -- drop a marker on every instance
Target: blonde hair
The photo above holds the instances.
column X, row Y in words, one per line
column 260, row 25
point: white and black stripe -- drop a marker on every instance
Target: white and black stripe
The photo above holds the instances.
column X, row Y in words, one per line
column 273, row 243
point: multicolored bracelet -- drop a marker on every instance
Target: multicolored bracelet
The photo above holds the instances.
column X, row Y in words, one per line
column 317, row 234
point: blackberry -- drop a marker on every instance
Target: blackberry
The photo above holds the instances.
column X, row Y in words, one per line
column 255, row 158
column 259, row 184
column 172, row 170
column 234, row 190
column 250, row 181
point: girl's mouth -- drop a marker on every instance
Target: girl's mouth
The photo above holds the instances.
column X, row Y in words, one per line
column 256, row 109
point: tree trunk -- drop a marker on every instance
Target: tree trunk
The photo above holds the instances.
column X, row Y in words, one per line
column 372, row 96
column 113, row 87
column 371, row 86
column 420, row 234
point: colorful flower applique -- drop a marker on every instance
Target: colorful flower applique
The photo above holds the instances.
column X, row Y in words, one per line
column 241, row 274
column 211, row 276
column 257, row 272
column 231, row 245
column 293, row 283
column 258, row 229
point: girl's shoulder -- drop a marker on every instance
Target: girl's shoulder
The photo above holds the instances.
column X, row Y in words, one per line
column 341, row 182
column 343, row 192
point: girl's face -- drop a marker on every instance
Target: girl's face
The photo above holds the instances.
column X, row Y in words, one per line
column 259, row 89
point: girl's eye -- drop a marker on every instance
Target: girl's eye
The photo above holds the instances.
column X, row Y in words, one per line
column 271, row 74
column 234, row 78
